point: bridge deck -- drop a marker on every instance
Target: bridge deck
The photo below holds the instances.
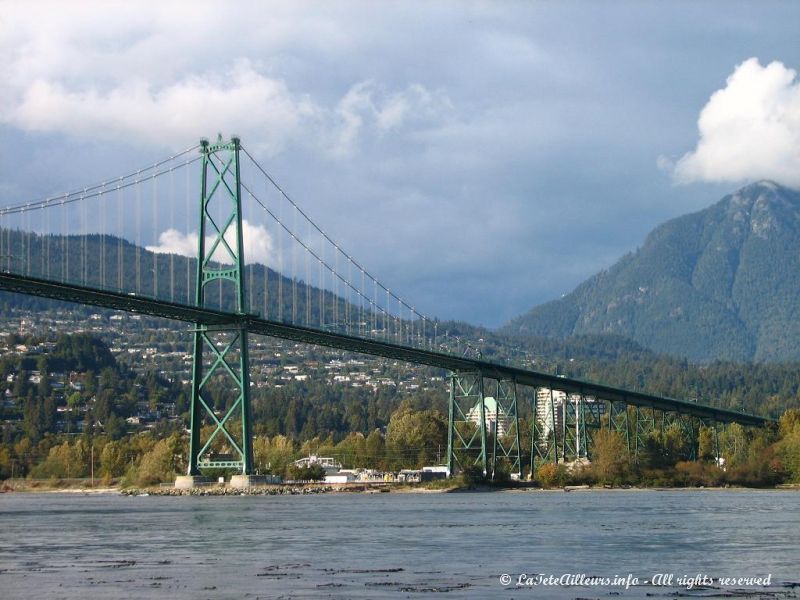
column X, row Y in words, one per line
column 254, row 324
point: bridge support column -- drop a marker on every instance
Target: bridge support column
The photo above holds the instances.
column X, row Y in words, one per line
column 593, row 409
column 618, row 420
column 466, row 436
column 644, row 425
column 544, row 434
column 483, row 431
column 709, row 427
column 220, row 435
column 688, row 427
column 581, row 415
column 573, row 428
column 506, row 446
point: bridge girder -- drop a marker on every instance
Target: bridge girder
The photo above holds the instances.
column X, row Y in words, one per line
column 205, row 316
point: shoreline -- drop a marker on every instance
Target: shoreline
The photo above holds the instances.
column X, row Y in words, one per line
column 358, row 488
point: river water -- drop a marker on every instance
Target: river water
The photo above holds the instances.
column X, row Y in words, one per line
column 397, row 545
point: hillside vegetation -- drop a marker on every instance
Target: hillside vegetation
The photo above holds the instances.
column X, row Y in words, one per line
column 721, row 283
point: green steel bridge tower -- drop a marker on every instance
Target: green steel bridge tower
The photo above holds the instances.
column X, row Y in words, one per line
column 220, row 262
column 483, row 430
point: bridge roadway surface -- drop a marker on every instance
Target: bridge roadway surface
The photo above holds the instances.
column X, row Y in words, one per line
column 254, row 324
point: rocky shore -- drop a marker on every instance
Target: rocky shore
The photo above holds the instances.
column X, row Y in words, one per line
column 219, row 490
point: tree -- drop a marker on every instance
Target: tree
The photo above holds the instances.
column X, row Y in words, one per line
column 611, row 459
column 114, row 427
column 74, row 400
column 32, row 418
column 21, row 386
column 64, row 461
column 49, row 414
column 272, row 455
column 163, row 462
column 551, row 475
column 352, row 450
column 5, row 463
column 414, row 437
column 114, row 459
column 788, row 447
column 375, row 449
column 43, row 366
column 706, row 444
column 664, row 449
column 733, row 440
column 109, row 379
column 313, row 472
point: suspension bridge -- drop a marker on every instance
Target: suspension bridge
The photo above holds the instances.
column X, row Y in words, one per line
column 208, row 237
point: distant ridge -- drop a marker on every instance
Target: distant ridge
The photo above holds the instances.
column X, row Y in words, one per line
column 722, row 283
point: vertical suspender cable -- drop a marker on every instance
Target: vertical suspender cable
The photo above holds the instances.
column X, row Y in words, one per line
column 294, row 268
column 64, row 244
column 155, row 232
column 188, row 230
column 280, row 266
column 361, row 322
column 268, row 262
column 102, row 242
column 42, row 236
column 322, row 286
column 399, row 322
column 84, row 254
column 27, row 237
column 336, row 297
column 171, row 200
column 120, row 235
column 349, row 295
column 46, row 242
column 138, row 236
column 307, row 282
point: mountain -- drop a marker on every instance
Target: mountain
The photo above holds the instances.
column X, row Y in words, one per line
column 722, row 283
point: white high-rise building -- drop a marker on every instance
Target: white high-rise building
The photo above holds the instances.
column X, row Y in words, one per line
column 549, row 414
column 496, row 418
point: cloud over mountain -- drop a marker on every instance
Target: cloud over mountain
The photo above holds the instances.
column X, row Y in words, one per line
column 257, row 244
column 749, row 130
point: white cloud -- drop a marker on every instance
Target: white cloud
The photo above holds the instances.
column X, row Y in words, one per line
column 168, row 75
column 367, row 105
column 257, row 244
column 241, row 100
column 173, row 241
column 749, row 130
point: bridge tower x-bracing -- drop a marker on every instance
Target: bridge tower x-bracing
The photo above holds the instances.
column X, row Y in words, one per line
column 220, row 435
column 483, row 437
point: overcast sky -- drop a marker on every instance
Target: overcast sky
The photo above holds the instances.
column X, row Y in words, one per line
column 480, row 158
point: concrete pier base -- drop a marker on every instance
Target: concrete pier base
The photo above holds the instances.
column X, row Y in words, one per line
column 187, row 482
column 246, row 481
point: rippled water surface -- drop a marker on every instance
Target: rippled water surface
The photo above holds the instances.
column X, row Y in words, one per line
column 394, row 545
